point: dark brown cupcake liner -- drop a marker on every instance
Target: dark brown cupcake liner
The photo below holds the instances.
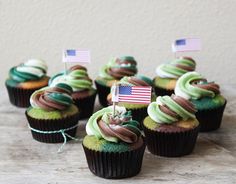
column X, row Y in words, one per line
column 163, row 92
column 115, row 165
column 85, row 106
column 19, row 97
column 210, row 119
column 171, row 144
column 53, row 125
column 102, row 91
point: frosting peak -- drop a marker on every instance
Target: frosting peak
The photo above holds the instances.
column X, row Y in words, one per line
column 168, row 109
column 33, row 69
column 119, row 67
column 76, row 77
column 176, row 68
column 193, row 86
column 120, row 127
column 52, row 98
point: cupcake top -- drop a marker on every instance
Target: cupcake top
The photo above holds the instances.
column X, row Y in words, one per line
column 171, row 109
column 117, row 68
column 176, row 68
column 118, row 128
column 32, row 70
column 194, row 86
column 76, row 77
column 52, row 98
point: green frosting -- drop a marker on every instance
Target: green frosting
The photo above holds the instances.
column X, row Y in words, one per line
column 93, row 143
column 121, row 115
column 155, row 112
column 176, row 68
column 186, row 89
column 33, row 69
column 39, row 113
column 125, row 80
column 206, row 103
column 112, row 64
column 78, row 79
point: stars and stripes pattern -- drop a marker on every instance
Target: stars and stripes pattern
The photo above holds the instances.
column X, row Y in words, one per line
column 188, row 44
column 76, row 55
column 135, row 94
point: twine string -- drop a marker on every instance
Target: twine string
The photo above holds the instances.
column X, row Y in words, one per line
column 63, row 133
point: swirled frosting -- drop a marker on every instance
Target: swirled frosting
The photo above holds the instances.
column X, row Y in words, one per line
column 169, row 110
column 176, row 68
column 193, row 86
column 120, row 127
column 76, row 77
column 52, row 98
column 137, row 80
column 33, row 69
column 118, row 68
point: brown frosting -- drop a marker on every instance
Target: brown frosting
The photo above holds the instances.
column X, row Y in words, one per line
column 203, row 84
column 44, row 102
column 113, row 130
column 119, row 72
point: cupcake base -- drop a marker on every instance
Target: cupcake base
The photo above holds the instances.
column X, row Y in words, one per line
column 115, row 165
column 210, row 119
column 103, row 91
column 85, row 106
column 53, row 125
column 171, row 144
column 19, row 97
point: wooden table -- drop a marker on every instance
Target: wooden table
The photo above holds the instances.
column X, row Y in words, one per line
column 24, row 160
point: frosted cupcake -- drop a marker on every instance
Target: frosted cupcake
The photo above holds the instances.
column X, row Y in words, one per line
column 168, row 74
column 171, row 128
column 83, row 92
column 112, row 72
column 114, row 146
column 205, row 96
column 24, row 79
column 52, row 114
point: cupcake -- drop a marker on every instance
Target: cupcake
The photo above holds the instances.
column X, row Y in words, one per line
column 139, row 111
column 24, row 79
column 83, row 92
column 114, row 146
column 168, row 74
column 113, row 72
column 205, row 96
column 171, row 128
column 52, row 116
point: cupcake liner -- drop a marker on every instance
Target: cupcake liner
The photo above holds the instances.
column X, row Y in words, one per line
column 53, row 125
column 163, row 92
column 85, row 106
column 210, row 119
column 115, row 165
column 19, row 97
column 103, row 91
column 171, row 144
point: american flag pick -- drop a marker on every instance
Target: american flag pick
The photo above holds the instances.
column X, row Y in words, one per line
column 134, row 94
column 186, row 44
column 76, row 55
